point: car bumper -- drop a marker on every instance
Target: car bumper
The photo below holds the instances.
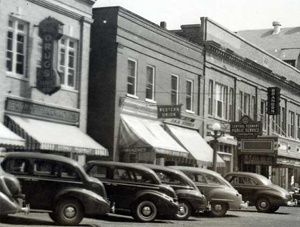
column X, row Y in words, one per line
column 244, row 205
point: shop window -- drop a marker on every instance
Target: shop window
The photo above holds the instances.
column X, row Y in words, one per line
column 150, row 83
column 189, row 95
column 67, row 62
column 131, row 77
column 210, row 97
column 221, row 101
column 16, row 47
column 174, row 89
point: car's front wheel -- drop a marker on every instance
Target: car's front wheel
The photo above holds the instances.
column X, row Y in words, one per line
column 184, row 211
column 145, row 211
column 68, row 212
column 218, row 209
column 263, row 205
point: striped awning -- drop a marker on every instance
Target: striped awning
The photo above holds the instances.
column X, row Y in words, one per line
column 43, row 135
column 10, row 139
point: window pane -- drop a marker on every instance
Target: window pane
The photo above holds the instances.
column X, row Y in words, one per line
column 98, row 172
column 71, row 78
column 69, row 172
column 17, row 166
column 20, row 27
column 131, row 78
column 46, row 168
column 9, row 61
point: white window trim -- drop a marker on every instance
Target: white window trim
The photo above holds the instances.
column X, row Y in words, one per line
column 66, row 66
column 153, row 85
column 192, row 96
column 224, row 102
column 177, row 88
column 135, row 78
column 15, row 31
column 210, row 97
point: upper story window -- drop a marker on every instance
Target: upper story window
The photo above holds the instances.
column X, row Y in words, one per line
column 283, row 121
column 221, row 101
column 16, row 47
column 263, row 114
column 150, row 83
column 210, row 97
column 252, row 107
column 131, row 77
column 189, row 95
column 174, row 90
column 291, row 124
column 67, row 61
column 246, row 104
column 230, row 105
column 298, row 126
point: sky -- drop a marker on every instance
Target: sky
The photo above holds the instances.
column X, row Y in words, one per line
column 234, row 15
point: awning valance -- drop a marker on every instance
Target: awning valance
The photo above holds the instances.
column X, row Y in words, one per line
column 140, row 134
column 10, row 139
column 227, row 139
column 195, row 144
column 43, row 135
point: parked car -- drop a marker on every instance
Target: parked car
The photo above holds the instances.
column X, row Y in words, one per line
column 134, row 189
column 218, row 192
column 11, row 198
column 295, row 191
column 58, row 185
column 190, row 199
column 260, row 191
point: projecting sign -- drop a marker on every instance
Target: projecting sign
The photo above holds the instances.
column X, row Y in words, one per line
column 246, row 128
column 48, row 81
column 273, row 100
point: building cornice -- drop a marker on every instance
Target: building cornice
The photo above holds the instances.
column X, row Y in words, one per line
column 248, row 64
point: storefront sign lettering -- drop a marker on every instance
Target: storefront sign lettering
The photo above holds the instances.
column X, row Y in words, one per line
column 24, row 107
column 48, row 81
column 184, row 122
column 246, row 128
column 167, row 111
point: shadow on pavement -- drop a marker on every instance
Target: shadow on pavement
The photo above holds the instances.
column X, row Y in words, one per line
column 255, row 211
column 17, row 220
column 128, row 219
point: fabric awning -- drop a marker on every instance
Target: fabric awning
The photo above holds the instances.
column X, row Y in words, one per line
column 195, row 144
column 227, row 139
column 10, row 139
column 142, row 133
column 43, row 135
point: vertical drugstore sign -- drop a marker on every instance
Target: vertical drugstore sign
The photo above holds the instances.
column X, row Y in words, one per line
column 48, row 81
column 273, row 100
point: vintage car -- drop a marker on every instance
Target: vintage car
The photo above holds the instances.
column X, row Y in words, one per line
column 134, row 189
column 218, row 192
column 11, row 198
column 260, row 191
column 190, row 199
column 57, row 185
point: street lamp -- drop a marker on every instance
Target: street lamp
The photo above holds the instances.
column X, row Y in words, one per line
column 216, row 127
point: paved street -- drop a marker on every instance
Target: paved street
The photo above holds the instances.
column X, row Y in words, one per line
column 285, row 216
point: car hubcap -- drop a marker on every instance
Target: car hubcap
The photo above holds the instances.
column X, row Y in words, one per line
column 146, row 211
column 70, row 212
column 182, row 209
column 263, row 204
column 218, row 207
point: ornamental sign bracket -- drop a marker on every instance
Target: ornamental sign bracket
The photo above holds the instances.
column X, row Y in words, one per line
column 246, row 128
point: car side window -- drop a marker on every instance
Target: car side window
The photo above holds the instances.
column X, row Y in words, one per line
column 68, row 172
column 98, row 172
column 168, row 178
column 46, row 168
column 191, row 176
column 122, row 174
column 248, row 181
column 200, row 178
column 212, row 179
column 142, row 177
column 19, row 166
column 235, row 180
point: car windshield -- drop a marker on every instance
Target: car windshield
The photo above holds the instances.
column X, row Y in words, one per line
column 173, row 178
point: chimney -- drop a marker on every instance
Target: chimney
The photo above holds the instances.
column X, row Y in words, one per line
column 163, row 24
column 276, row 26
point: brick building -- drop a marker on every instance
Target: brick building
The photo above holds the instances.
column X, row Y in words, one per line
column 136, row 66
column 44, row 77
column 237, row 75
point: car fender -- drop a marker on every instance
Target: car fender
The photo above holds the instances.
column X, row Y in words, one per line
column 224, row 195
column 270, row 194
column 157, row 196
column 188, row 194
column 91, row 202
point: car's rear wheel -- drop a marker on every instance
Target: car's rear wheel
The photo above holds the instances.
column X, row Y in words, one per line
column 263, row 205
column 145, row 211
column 184, row 211
column 218, row 209
column 69, row 212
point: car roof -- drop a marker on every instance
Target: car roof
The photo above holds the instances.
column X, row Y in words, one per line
column 248, row 174
column 37, row 155
column 163, row 168
column 195, row 169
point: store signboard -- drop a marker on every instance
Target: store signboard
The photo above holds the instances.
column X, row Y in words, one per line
column 168, row 111
column 246, row 127
column 186, row 122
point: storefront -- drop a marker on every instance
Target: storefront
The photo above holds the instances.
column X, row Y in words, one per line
column 275, row 157
column 49, row 129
